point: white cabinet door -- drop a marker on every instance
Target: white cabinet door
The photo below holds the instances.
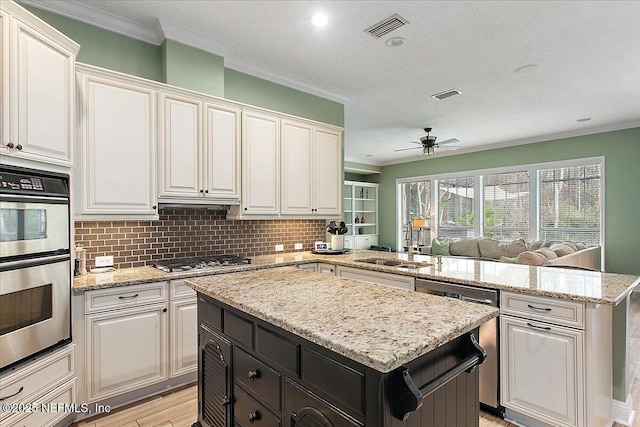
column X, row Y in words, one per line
column 542, row 371
column 327, row 172
column 4, row 81
column 180, row 167
column 118, row 143
column 126, row 350
column 365, row 241
column 297, row 168
column 38, row 66
column 222, row 152
column 261, row 165
column 184, row 336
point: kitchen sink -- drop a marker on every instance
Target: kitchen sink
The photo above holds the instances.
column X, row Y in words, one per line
column 399, row 263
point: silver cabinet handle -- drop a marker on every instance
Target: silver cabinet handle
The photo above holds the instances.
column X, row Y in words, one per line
column 129, row 297
column 544, row 328
column 533, row 307
column 14, row 394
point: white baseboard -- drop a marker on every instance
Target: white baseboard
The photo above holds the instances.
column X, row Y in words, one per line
column 622, row 412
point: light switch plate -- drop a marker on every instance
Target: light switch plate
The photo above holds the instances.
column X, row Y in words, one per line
column 279, row 248
column 104, row 261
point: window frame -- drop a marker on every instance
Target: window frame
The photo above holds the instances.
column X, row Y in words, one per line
column 478, row 176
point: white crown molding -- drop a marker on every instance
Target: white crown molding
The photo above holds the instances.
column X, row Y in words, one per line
column 272, row 76
column 166, row 30
column 81, row 11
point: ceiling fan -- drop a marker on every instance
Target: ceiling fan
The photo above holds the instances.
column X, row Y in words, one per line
column 428, row 144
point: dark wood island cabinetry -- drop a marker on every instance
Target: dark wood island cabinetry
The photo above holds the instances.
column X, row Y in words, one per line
column 252, row 373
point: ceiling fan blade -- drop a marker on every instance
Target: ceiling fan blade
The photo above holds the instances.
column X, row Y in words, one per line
column 415, row 142
column 405, row 149
column 449, row 141
column 450, row 147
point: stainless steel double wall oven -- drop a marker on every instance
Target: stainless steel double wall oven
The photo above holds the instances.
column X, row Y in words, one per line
column 35, row 263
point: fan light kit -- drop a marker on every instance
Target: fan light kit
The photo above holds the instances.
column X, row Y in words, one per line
column 428, row 144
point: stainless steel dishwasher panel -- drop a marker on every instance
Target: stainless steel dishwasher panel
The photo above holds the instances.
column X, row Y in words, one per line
column 489, row 339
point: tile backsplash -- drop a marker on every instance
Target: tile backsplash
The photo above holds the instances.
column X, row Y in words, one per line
column 191, row 232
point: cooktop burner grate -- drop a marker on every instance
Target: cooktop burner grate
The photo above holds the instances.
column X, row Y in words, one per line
column 175, row 265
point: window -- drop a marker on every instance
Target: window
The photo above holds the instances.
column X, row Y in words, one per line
column 570, row 203
column 455, row 205
column 506, row 206
column 551, row 201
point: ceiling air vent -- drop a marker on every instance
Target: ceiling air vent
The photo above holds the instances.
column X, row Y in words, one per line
column 385, row 27
column 446, row 94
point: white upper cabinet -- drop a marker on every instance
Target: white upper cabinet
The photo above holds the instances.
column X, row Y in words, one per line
column 222, row 152
column 179, row 144
column 199, row 154
column 297, row 168
column 260, row 163
column 118, row 140
column 311, row 170
column 37, row 88
column 327, row 182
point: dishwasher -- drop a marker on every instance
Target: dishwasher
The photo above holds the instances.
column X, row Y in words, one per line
column 489, row 337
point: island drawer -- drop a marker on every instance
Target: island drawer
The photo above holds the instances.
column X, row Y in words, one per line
column 238, row 328
column 249, row 412
column 209, row 313
column 545, row 309
column 262, row 381
column 339, row 381
column 126, row 296
column 277, row 349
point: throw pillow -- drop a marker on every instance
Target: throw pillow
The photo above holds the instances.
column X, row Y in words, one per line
column 440, row 246
column 531, row 258
column 508, row 260
column 465, row 247
column 535, row 245
column 581, row 246
column 562, row 249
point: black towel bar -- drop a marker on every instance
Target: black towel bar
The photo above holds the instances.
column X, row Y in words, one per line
column 408, row 397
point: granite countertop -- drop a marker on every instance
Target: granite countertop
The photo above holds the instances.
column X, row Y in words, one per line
column 577, row 285
column 378, row 326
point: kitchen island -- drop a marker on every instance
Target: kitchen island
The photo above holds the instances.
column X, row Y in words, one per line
column 299, row 347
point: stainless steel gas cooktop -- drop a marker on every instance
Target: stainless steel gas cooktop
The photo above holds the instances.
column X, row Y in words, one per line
column 176, row 265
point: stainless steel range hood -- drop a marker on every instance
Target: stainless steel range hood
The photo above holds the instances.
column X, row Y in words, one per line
column 211, row 204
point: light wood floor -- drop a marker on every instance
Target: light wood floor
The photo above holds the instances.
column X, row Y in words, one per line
column 179, row 408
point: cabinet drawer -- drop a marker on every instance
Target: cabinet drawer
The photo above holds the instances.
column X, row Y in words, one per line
column 37, row 378
column 238, row 328
column 552, row 310
column 178, row 289
column 249, row 412
column 258, row 378
column 47, row 417
column 209, row 313
column 127, row 296
column 278, row 350
column 339, row 381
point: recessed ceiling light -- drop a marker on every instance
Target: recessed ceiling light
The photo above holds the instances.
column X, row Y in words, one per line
column 585, row 119
column 368, row 155
column 320, row 20
column 394, row 42
column 526, row 69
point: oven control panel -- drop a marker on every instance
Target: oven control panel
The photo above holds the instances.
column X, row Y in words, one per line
column 18, row 183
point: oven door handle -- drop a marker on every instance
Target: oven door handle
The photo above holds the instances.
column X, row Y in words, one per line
column 33, row 262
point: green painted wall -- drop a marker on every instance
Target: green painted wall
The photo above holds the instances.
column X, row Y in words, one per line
column 252, row 90
column 190, row 68
column 107, row 49
column 621, row 150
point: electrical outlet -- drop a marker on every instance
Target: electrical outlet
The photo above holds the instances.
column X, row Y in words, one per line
column 297, row 246
column 104, row 261
column 279, row 248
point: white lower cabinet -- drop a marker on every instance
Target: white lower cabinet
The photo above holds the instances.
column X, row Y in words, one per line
column 183, row 329
column 318, row 267
column 127, row 350
column 555, row 358
column 136, row 339
column 387, row 279
column 54, row 407
column 364, row 241
column 50, row 378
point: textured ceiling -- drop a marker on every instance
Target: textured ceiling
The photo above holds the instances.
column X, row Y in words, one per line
column 587, row 52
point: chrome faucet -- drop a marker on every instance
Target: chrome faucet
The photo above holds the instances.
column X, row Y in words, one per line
column 409, row 239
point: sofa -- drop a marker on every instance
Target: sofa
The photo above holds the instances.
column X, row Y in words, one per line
column 539, row 253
